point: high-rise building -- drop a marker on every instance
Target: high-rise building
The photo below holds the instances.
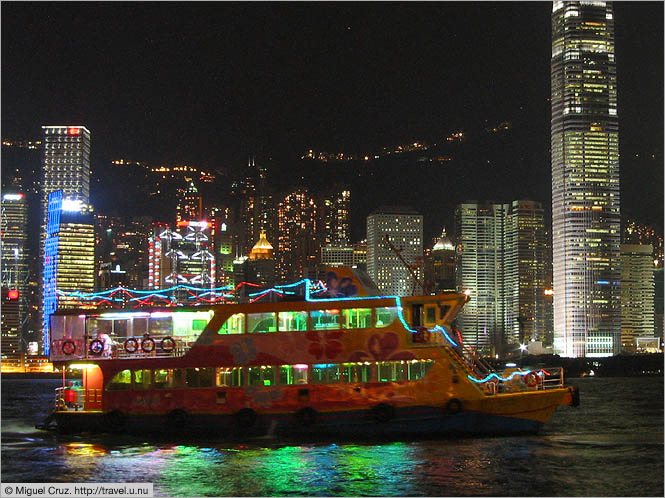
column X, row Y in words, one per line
column 185, row 255
column 637, row 294
column 66, row 168
column 404, row 228
column 14, row 241
column 524, row 272
column 479, row 229
column 585, row 180
column 298, row 245
column 69, row 256
column 335, row 213
column 501, row 261
column 190, row 204
column 10, row 329
column 440, row 265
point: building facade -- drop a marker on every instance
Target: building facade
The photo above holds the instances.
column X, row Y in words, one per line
column 585, row 180
column 65, row 168
column 14, row 250
column 298, row 243
column 479, row 232
column 404, row 228
column 637, row 294
column 524, row 272
column 69, row 257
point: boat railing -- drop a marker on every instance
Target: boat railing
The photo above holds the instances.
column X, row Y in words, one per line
column 77, row 399
column 157, row 346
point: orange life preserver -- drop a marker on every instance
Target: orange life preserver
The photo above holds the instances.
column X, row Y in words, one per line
column 68, row 347
column 531, row 379
column 167, row 344
column 148, row 344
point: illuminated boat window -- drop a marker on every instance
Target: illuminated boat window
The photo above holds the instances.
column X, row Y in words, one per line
column 229, row 377
column 385, row 316
column 167, row 378
column 430, row 315
column 357, row 372
column 292, row 320
column 235, row 324
column 199, row 377
column 391, row 371
column 121, row 381
column 418, row 368
column 261, row 376
column 189, row 324
column 261, row 322
column 325, row 319
column 357, row 318
column 325, row 373
column 293, row 374
column 142, row 379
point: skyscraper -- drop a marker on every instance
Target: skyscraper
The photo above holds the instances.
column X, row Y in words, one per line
column 637, row 289
column 404, row 228
column 69, row 256
column 585, row 180
column 298, row 245
column 66, row 168
column 524, row 272
column 479, row 230
column 14, row 241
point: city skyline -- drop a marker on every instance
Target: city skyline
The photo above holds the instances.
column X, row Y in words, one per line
column 425, row 89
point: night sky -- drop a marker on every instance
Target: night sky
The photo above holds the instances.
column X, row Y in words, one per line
column 209, row 83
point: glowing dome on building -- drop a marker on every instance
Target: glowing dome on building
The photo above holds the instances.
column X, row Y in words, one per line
column 262, row 249
column 444, row 243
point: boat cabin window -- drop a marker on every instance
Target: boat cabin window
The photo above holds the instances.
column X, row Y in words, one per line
column 261, row 322
column 293, row 374
column 167, row 378
column 142, row 379
column 235, row 324
column 357, row 372
column 418, row 368
column 443, row 311
column 385, row 316
column 292, row 320
column 325, row 319
column 392, row 371
column 261, row 376
column 357, row 318
column 430, row 315
column 325, row 373
column 199, row 377
column 121, row 381
column 229, row 377
column 188, row 325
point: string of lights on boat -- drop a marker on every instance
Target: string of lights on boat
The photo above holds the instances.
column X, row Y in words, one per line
column 184, row 295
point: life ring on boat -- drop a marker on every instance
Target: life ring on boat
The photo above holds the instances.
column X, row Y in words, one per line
column 131, row 345
column 96, row 347
column 306, row 416
column 68, row 347
column 383, row 412
column 148, row 345
column 245, row 418
column 454, row 406
column 531, row 379
column 167, row 344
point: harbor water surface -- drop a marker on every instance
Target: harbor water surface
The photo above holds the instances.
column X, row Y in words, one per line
column 611, row 445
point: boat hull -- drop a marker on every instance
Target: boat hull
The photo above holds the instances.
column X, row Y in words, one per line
column 498, row 415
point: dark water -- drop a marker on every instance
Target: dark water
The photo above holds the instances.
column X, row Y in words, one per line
column 612, row 445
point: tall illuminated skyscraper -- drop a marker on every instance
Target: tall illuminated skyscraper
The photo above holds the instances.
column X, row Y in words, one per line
column 585, row 180
column 404, row 228
column 66, row 168
column 69, row 256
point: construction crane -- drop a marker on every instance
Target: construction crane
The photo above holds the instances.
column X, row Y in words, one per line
column 409, row 267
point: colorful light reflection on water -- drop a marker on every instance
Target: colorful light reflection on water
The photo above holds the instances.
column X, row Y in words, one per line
column 589, row 451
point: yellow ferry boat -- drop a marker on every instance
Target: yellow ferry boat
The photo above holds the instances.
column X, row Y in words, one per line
column 344, row 366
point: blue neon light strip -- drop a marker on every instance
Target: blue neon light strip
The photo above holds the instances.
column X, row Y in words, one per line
column 493, row 375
